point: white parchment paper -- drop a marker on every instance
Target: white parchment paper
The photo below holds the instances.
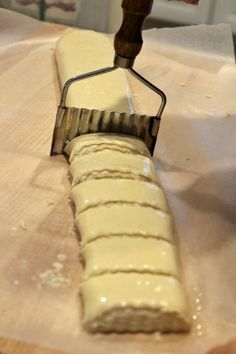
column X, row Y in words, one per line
column 196, row 161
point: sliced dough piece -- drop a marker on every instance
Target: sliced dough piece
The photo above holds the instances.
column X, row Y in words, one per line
column 89, row 143
column 134, row 302
column 112, row 164
column 124, row 220
column 93, row 193
column 129, row 254
column 78, row 52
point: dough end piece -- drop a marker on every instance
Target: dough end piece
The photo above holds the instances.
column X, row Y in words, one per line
column 146, row 305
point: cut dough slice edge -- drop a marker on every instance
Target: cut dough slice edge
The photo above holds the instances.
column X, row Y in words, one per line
column 112, row 164
column 95, row 142
column 129, row 254
column 134, row 302
column 124, row 220
column 93, row 193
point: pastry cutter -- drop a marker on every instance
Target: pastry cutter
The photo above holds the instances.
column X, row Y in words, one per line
column 72, row 122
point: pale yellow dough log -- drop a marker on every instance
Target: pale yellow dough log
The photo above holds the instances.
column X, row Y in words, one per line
column 134, row 302
column 81, row 51
column 125, row 245
column 129, row 254
column 90, row 143
column 112, row 164
column 93, row 193
column 124, row 220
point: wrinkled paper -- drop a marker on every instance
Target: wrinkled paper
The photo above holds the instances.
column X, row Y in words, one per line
column 196, row 162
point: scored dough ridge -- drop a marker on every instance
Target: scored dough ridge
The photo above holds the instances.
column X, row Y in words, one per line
column 136, row 270
column 129, row 254
column 106, row 173
column 86, row 150
column 107, row 191
column 122, row 202
column 95, row 141
column 104, row 164
column 160, row 238
column 128, row 220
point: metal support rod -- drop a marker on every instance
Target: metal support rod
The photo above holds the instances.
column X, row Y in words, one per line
column 82, row 77
column 42, row 9
column 153, row 88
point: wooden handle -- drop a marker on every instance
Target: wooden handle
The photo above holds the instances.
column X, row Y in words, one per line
column 128, row 40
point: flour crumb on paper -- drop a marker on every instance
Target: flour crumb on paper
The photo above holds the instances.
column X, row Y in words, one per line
column 197, row 325
column 57, row 266
column 61, row 257
column 50, row 202
column 23, row 225
column 158, row 336
column 54, row 277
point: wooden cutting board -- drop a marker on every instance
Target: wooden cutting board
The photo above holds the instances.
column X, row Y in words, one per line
column 39, row 264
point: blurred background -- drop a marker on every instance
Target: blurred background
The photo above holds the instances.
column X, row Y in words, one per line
column 105, row 15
